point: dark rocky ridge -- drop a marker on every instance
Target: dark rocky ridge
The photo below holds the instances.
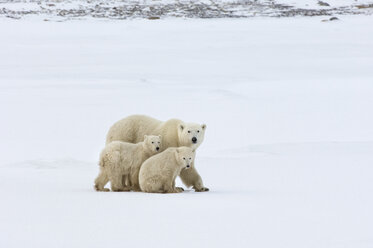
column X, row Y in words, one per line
column 81, row 9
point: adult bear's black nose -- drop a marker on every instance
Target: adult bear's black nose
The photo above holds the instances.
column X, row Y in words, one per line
column 157, row 148
column 194, row 139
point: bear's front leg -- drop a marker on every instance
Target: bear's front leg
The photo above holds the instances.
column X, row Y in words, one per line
column 179, row 189
column 190, row 177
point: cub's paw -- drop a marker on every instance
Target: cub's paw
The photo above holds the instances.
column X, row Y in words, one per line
column 120, row 189
column 101, row 189
column 179, row 189
column 202, row 189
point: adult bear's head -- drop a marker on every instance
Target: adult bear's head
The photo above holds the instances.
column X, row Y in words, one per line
column 191, row 134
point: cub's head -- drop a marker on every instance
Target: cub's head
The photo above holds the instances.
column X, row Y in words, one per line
column 184, row 156
column 152, row 143
column 191, row 134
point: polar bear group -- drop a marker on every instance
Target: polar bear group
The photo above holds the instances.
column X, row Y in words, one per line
column 145, row 154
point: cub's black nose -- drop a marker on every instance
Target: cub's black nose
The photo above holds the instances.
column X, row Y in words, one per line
column 188, row 166
column 157, row 148
column 194, row 139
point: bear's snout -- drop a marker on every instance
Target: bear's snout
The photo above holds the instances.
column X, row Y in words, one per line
column 194, row 139
column 157, row 148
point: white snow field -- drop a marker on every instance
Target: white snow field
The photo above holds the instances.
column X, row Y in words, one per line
column 288, row 152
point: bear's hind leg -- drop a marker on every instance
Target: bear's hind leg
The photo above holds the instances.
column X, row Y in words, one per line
column 100, row 182
column 117, row 183
column 125, row 181
column 154, row 185
column 170, row 188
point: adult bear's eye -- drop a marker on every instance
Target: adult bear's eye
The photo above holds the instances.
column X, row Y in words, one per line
column 188, row 131
column 152, row 142
column 198, row 131
column 190, row 158
column 184, row 158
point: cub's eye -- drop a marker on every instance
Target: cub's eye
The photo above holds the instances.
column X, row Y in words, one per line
column 159, row 142
column 190, row 158
column 152, row 142
column 184, row 158
column 198, row 131
column 188, row 131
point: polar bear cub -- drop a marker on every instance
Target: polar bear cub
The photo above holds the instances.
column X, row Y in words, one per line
column 158, row 173
column 120, row 163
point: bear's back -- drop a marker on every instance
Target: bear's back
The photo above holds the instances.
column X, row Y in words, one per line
column 125, row 149
column 160, row 161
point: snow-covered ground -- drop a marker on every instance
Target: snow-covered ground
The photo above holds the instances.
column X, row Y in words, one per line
column 288, row 153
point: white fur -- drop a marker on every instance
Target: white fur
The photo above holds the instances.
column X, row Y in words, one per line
column 120, row 163
column 158, row 173
column 175, row 133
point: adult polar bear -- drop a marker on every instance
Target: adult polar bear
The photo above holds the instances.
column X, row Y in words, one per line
column 174, row 133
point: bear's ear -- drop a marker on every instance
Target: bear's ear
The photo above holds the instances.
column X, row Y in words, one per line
column 181, row 127
column 193, row 150
column 177, row 154
column 203, row 126
column 145, row 136
column 160, row 136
